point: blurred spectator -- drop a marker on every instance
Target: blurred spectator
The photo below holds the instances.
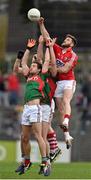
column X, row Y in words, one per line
column 84, row 103
column 3, row 91
column 13, row 86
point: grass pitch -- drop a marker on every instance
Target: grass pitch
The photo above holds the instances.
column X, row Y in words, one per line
column 59, row 171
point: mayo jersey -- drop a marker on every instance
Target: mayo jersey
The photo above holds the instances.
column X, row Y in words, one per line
column 49, row 89
column 34, row 88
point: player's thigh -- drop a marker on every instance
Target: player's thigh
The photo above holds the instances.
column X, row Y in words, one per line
column 37, row 129
column 67, row 95
column 59, row 102
column 69, row 89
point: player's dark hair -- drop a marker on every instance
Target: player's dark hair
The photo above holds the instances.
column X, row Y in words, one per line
column 35, row 57
column 39, row 65
column 73, row 39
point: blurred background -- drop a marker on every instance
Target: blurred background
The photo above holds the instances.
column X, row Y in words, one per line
column 61, row 17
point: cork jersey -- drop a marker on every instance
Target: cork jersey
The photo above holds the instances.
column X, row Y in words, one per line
column 62, row 58
column 52, row 84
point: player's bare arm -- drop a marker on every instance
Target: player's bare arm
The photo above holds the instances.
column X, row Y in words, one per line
column 40, row 49
column 45, row 66
column 66, row 68
column 25, row 59
column 25, row 68
column 43, row 30
column 53, row 68
column 17, row 65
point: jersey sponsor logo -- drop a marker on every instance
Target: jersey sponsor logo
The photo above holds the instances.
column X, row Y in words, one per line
column 59, row 62
column 66, row 59
column 34, row 78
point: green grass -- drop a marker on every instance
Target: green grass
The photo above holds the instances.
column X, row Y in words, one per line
column 59, row 171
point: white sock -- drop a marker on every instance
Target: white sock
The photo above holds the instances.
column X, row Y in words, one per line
column 66, row 121
column 66, row 134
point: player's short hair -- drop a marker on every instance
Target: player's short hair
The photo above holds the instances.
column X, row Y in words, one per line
column 35, row 56
column 39, row 65
column 73, row 38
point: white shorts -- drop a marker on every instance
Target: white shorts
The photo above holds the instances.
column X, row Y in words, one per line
column 62, row 85
column 31, row 114
column 46, row 112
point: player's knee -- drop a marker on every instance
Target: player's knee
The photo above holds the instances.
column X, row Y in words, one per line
column 24, row 138
column 38, row 137
column 61, row 110
column 66, row 101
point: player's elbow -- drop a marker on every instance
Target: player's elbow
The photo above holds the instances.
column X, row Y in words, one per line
column 53, row 72
column 66, row 69
column 15, row 70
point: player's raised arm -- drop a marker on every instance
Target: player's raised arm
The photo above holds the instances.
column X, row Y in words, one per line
column 40, row 49
column 64, row 69
column 17, row 65
column 69, row 65
column 43, row 30
column 25, row 68
column 45, row 66
column 53, row 68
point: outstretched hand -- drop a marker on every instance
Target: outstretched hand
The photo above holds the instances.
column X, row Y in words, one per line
column 41, row 20
column 51, row 42
column 31, row 43
column 41, row 39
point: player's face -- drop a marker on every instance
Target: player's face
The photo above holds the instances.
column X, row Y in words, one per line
column 67, row 42
column 34, row 68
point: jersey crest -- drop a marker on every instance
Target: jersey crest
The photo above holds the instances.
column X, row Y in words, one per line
column 59, row 62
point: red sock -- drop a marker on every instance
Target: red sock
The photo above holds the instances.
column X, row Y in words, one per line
column 27, row 161
column 67, row 116
column 52, row 139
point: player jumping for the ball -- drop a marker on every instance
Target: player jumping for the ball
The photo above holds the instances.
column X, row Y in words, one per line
column 66, row 60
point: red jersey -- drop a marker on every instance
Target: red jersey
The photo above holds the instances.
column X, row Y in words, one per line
column 62, row 58
column 52, row 86
column 13, row 83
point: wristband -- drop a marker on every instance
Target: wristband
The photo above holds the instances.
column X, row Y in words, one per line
column 20, row 54
column 29, row 48
column 47, row 47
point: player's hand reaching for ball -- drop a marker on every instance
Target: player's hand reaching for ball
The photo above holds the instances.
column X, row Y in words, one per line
column 41, row 20
column 41, row 39
column 51, row 42
column 31, row 43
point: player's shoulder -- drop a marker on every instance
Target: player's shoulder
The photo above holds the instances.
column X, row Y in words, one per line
column 57, row 46
column 74, row 54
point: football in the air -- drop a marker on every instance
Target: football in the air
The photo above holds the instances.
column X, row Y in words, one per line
column 33, row 14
